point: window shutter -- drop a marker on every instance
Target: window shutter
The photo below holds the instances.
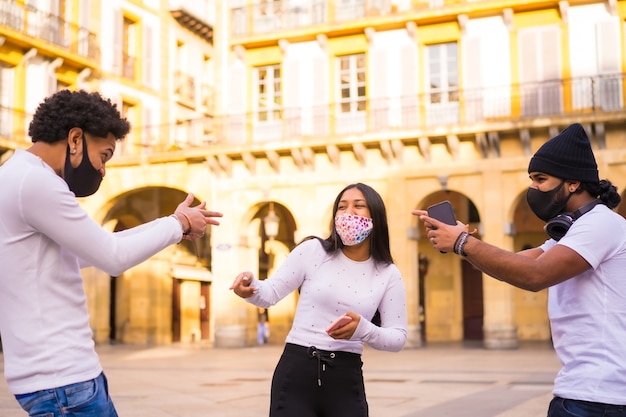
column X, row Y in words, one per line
column 291, row 83
column 550, row 54
column 608, row 86
column 320, row 80
column 410, row 86
column 148, row 50
column 609, row 54
column 528, row 45
column 292, row 107
column 237, row 103
column 321, row 103
column 378, row 73
column 237, row 90
column 472, row 78
column 472, row 62
column 117, row 42
column 378, row 88
column 409, row 70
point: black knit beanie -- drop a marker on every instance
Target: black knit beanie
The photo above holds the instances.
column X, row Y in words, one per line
column 568, row 156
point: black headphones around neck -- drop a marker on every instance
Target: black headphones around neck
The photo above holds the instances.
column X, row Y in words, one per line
column 558, row 226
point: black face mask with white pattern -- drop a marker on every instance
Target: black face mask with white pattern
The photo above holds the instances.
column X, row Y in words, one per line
column 84, row 180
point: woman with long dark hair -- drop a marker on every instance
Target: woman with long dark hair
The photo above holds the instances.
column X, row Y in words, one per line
column 350, row 273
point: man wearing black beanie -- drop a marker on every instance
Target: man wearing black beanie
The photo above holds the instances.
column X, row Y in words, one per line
column 583, row 265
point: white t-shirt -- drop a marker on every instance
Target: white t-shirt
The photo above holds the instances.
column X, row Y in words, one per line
column 331, row 285
column 45, row 237
column 588, row 312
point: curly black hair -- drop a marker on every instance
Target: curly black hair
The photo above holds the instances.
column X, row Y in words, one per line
column 66, row 109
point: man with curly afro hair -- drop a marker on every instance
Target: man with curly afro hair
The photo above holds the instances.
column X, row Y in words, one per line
column 50, row 362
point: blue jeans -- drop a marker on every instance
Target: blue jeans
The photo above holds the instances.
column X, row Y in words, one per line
column 82, row 399
column 561, row 407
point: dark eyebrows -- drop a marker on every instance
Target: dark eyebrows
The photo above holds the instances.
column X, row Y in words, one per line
column 534, row 175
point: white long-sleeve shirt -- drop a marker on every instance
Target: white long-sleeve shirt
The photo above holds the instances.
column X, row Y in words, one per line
column 331, row 285
column 45, row 238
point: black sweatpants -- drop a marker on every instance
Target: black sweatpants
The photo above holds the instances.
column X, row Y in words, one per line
column 309, row 382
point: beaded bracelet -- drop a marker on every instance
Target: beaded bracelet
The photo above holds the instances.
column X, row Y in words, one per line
column 461, row 240
column 456, row 242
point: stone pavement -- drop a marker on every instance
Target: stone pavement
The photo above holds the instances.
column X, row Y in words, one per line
column 436, row 380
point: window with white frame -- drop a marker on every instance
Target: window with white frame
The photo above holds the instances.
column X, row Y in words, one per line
column 351, row 83
column 443, row 73
column 269, row 94
column 442, row 78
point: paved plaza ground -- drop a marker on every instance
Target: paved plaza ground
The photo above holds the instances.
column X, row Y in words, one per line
column 450, row 380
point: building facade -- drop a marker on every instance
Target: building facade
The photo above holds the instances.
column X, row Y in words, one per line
column 267, row 109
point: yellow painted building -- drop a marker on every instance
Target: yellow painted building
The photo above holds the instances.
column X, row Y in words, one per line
column 262, row 107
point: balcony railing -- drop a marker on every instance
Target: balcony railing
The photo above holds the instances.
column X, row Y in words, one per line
column 585, row 98
column 427, row 112
column 263, row 16
column 409, row 116
column 48, row 27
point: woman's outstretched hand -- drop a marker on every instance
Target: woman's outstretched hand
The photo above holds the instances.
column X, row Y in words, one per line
column 241, row 285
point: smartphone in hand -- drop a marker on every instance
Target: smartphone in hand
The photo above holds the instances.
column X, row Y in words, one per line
column 443, row 211
column 338, row 323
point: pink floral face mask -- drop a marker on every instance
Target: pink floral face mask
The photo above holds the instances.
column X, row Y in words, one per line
column 353, row 229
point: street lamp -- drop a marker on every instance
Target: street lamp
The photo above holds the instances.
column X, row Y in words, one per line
column 271, row 223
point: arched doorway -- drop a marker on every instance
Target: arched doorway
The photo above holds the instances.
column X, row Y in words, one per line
column 167, row 298
column 451, row 305
column 274, row 225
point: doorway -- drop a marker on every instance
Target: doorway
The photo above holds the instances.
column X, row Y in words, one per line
column 191, row 319
column 473, row 311
column 112, row 309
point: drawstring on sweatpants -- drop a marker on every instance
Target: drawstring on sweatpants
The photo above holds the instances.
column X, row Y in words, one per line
column 323, row 358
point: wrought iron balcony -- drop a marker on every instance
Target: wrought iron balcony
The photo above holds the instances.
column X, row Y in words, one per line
column 50, row 28
column 599, row 99
column 424, row 114
column 264, row 16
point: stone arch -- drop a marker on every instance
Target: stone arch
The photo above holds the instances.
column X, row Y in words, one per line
column 165, row 299
column 265, row 255
column 450, row 301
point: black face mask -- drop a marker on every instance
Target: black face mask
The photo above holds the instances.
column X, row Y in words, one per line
column 544, row 203
column 84, row 180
